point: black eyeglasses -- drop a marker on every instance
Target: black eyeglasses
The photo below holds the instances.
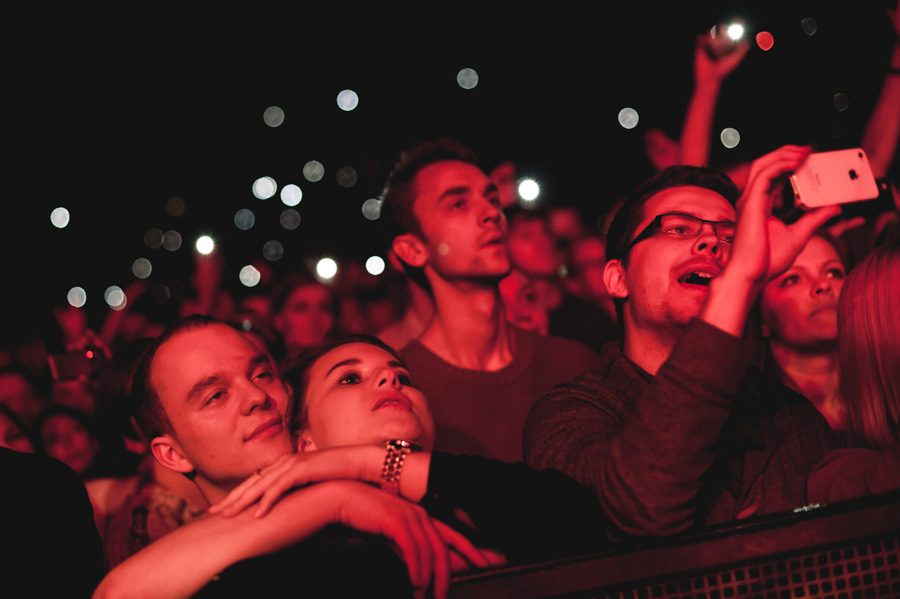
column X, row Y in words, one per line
column 685, row 225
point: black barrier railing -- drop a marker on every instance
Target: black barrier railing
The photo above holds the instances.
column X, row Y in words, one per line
column 848, row 550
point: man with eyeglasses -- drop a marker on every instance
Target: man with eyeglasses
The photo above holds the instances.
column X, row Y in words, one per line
column 675, row 429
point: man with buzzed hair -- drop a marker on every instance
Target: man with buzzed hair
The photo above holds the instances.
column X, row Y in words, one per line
column 480, row 373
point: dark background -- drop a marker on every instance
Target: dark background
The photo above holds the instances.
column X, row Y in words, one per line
column 112, row 121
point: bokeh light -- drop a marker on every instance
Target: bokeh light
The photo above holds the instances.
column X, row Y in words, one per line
column 264, row 188
column 628, row 118
column 59, row 217
column 371, row 209
column 273, row 116
column 467, row 78
column 313, row 171
column 326, row 268
column 291, row 195
column 205, row 245
column 244, row 219
column 141, row 268
column 249, row 276
column 77, row 297
column 375, row 265
column 347, row 100
column 730, row 137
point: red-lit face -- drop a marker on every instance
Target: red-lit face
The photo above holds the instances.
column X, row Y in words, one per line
column 588, row 259
column 666, row 276
column 458, row 209
column 359, row 394
column 504, row 177
column 799, row 307
column 224, row 400
column 532, row 248
column 67, row 440
column 306, row 316
column 521, row 303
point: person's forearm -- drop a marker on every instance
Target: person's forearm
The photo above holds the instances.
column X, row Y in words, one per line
column 728, row 304
column 883, row 128
column 182, row 562
column 695, row 135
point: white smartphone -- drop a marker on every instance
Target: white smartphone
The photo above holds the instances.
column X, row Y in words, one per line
column 836, row 177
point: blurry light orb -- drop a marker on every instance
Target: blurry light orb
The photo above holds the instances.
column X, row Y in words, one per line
column 175, row 207
column 171, row 240
column 735, row 31
column 264, row 188
column 841, row 101
column 59, row 217
column 205, row 245
column 115, row 297
column 313, row 171
column 467, row 78
column 346, row 176
column 443, row 249
column 244, row 219
column 730, row 137
column 249, row 276
column 628, row 118
column 289, row 219
column 273, row 116
column 375, row 265
column 273, row 250
column 371, row 209
column 326, row 268
column 809, row 26
column 153, row 238
column 77, row 297
column 765, row 41
column 529, row 189
column 291, row 195
column 141, row 268
column 347, row 100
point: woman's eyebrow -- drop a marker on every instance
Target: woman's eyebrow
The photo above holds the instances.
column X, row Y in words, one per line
column 346, row 362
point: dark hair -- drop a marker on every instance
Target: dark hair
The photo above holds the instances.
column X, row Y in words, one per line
column 630, row 213
column 398, row 196
column 297, row 373
column 286, row 285
column 150, row 415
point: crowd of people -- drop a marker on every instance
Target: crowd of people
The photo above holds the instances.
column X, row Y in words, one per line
column 529, row 386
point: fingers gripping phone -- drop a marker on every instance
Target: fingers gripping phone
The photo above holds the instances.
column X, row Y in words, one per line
column 836, row 177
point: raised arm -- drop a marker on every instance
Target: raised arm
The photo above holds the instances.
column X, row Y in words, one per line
column 709, row 73
column 883, row 128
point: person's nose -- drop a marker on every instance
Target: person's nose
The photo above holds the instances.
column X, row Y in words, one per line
column 253, row 398
column 388, row 378
column 709, row 243
column 491, row 212
column 823, row 287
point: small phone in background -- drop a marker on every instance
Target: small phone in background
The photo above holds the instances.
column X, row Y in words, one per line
column 76, row 363
column 724, row 38
column 835, row 177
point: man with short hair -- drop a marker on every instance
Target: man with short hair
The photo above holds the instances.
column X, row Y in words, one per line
column 480, row 373
column 669, row 431
column 212, row 406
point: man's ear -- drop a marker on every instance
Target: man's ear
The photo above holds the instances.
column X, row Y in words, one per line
column 410, row 249
column 614, row 279
column 305, row 442
column 168, row 452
